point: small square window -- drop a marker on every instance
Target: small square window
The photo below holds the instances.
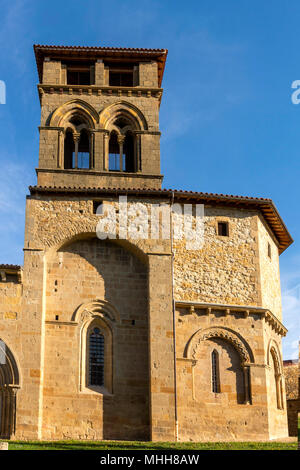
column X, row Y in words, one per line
column 96, row 204
column 269, row 251
column 223, row 229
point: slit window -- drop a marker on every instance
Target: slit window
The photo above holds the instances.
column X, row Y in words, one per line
column 269, row 251
column 223, row 229
column 215, row 379
column 96, row 357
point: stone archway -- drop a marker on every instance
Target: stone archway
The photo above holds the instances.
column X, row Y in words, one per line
column 9, row 384
column 231, row 337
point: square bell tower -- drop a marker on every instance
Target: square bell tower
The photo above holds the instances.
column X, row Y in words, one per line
column 99, row 116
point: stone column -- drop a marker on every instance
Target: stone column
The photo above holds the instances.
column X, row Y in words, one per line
column 76, row 137
column 60, row 149
column 278, row 380
column 99, row 73
column 105, row 151
column 161, row 348
column 121, row 140
column 92, row 146
column 138, row 160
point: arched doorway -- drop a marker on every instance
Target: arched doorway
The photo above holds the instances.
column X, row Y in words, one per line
column 9, row 384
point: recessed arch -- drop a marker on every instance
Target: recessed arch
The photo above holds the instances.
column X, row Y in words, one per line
column 122, row 109
column 64, row 113
column 273, row 348
column 96, row 308
column 240, row 348
column 9, row 384
column 9, row 371
column 77, row 233
column 273, row 355
column 239, row 344
column 97, row 314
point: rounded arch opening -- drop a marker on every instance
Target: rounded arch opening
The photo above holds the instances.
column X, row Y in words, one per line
column 239, row 356
column 276, row 378
column 9, row 384
column 96, row 352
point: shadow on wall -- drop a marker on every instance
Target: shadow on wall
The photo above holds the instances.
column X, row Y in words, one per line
column 109, row 271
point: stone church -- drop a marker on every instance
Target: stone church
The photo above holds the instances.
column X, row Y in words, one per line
column 125, row 338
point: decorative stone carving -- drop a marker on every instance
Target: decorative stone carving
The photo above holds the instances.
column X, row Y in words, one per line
column 217, row 332
column 98, row 307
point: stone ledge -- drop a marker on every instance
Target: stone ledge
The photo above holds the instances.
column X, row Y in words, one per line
column 245, row 310
column 145, row 92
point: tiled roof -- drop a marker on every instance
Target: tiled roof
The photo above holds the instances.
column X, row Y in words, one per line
column 98, row 48
column 94, row 52
column 266, row 206
column 13, row 267
column 290, row 362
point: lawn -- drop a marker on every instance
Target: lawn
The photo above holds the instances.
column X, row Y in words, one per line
column 135, row 445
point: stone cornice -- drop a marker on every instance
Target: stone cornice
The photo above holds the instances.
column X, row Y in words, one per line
column 96, row 90
column 117, row 174
column 245, row 310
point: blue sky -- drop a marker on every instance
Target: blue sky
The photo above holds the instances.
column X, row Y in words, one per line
column 228, row 124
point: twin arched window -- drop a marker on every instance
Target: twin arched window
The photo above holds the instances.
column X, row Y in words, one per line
column 78, row 146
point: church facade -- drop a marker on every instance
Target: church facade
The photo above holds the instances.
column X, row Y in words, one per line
column 134, row 337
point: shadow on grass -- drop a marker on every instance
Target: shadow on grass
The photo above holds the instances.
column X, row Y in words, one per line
column 134, row 445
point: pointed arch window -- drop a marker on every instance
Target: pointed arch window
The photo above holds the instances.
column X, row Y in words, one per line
column 96, row 357
column 77, row 146
column 215, row 374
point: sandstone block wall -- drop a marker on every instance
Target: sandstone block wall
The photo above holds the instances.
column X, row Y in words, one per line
column 225, row 270
column 269, row 270
column 78, row 273
column 67, row 267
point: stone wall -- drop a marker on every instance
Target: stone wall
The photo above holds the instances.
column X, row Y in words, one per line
column 52, row 141
column 202, row 414
column 67, row 267
column 269, row 270
column 79, row 273
column 292, row 381
column 225, row 270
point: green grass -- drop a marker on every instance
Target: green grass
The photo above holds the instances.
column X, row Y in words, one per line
column 134, row 445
